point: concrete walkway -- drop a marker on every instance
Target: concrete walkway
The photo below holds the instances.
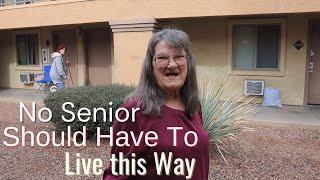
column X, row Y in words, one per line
column 17, row 95
column 299, row 115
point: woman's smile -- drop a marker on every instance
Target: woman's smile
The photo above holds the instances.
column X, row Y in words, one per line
column 170, row 67
column 172, row 74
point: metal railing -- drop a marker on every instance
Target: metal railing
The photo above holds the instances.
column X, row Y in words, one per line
column 4, row 3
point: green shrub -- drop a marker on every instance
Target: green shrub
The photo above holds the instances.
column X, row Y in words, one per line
column 89, row 97
column 221, row 113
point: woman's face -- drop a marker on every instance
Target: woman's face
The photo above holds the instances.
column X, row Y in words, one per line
column 62, row 51
column 169, row 67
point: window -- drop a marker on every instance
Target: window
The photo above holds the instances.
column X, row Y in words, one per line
column 256, row 46
column 1, row 3
column 18, row 2
column 27, row 49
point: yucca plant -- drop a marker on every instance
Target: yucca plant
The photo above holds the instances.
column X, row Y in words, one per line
column 220, row 112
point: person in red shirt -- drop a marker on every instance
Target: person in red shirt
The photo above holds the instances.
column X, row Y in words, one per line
column 167, row 95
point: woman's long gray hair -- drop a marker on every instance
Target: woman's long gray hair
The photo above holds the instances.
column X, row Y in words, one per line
column 147, row 95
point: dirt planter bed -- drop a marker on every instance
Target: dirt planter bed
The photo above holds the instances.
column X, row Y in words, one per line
column 269, row 152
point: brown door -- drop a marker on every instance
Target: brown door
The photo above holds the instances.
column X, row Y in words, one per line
column 98, row 52
column 314, row 64
column 68, row 37
column 5, row 58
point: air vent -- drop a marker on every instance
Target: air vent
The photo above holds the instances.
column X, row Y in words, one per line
column 253, row 87
column 26, row 78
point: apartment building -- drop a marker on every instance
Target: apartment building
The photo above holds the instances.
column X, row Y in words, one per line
column 276, row 41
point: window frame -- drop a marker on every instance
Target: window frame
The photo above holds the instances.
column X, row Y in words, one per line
column 280, row 71
column 27, row 67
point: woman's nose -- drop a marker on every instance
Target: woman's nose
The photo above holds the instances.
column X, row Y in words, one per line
column 172, row 63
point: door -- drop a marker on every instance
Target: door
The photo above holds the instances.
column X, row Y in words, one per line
column 314, row 64
column 98, row 60
column 6, row 58
column 68, row 37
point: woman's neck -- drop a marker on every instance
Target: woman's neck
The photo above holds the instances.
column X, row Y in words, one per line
column 174, row 101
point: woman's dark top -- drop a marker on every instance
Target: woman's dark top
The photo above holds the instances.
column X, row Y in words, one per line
column 169, row 118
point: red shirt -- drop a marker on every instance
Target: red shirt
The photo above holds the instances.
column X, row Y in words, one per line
column 169, row 118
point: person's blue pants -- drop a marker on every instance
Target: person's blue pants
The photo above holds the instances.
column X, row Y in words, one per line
column 60, row 85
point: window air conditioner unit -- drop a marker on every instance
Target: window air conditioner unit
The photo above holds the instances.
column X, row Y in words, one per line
column 26, row 78
column 253, row 87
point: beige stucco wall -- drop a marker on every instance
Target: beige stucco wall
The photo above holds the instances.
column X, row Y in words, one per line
column 98, row 56
column 209, row 39
column 65, row 12
column 129, row 53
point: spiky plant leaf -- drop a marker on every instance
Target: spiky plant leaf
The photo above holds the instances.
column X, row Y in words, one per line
column 221, row 113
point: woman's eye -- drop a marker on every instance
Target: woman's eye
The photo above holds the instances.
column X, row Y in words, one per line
column 181, row 57
column 162, row 58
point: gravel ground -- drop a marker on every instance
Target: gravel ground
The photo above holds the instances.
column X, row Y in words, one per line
column 269, row 152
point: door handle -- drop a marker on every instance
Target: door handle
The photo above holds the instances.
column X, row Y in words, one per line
column 312, row 61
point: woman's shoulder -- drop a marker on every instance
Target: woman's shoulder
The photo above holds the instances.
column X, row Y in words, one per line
column 134, row 108
column 131, row 103
column 57, row 59
column 135, row 118
column 55, row 55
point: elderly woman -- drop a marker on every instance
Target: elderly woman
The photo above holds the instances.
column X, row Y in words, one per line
column 168, row 97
